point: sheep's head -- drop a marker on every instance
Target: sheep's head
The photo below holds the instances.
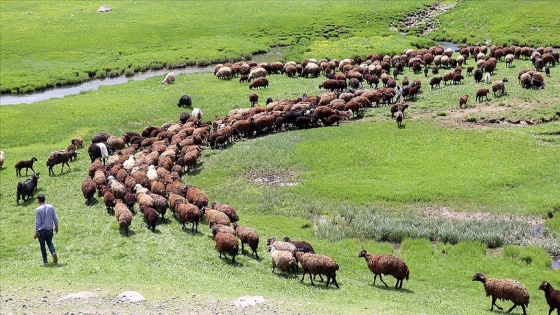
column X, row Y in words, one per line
column 363, row 253
column 544, row 286
column 479, row 277
column 270, row 241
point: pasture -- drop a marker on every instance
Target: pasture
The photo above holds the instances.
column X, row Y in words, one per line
column 455, row 192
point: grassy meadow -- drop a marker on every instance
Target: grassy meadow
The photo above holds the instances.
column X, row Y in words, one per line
column 454, row 192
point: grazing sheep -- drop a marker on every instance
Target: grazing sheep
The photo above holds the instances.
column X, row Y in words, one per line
column 499, row 86
column 258, row 72
column 224, row 73
column 150, row 215
column 185, row 101
column 386, row 265
column 2, row 159
column 463, row 100
column 253, row 98
column 26, row 189
column 284, row 260
column 227, row 243
column 227, row 209
column 169, row 78
column 504, row 289
column 196, row 196
column 123, row 216
column 247, row 236
column 187, row 212
column 480, row 93
column 258, row 83
column 27, row 164
column 88, row 189
column 59, row 157
column 316, row 264
column 302, row 246
column 552, row 297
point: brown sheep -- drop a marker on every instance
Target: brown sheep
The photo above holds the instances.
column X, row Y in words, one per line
column 216, row 228
column 480, row 93
column 247, row 236
column 499, row 86
column 108, row 199
column 78, row 142
column 504, row 289
column 187, row 212
column 123, row 216
column 215, row 216
column 463, row 100
column 88, row 189
column 258, row 83
column 227, row 209
column 386, row 265
column 253, row 98
column 552, row 297
column 196, row 196
column 316, row 264
column 227, row 243
column 150, row 215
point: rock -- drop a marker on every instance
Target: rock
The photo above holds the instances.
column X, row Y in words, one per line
column 130, row 297
column 80, row 296
column 247, row 300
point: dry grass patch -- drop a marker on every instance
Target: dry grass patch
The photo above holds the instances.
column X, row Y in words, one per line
column 273, row 178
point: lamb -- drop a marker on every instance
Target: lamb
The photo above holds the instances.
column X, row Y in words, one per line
column 197, row 114
column 258, row 83
column 552, row 297
column 108, row 199
column 88, row 189
column 284, row 260
column 253, row 98
column 504, row 289
column 316, row 264
column 487, row 78
column 169, row 78
column 150, row 215
column 59, row 157
column 123, row 216
column 78, row 142
column 247, row 236
column 196, row 196
column 396, row 108
column 499, row 86
column 302, row 246
column 26, row 189
column 227, row 243
column 386, row 265
column 2, row 159
column 482, row 93
column 463, row 100
column 27, row 164
column 187, row 212
column 227, row 209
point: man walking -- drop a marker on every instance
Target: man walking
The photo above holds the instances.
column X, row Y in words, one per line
column 45, row 220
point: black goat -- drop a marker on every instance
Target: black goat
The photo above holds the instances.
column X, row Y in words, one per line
column 27, row 188
column 27, row 164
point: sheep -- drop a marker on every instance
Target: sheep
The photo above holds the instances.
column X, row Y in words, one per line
column 478, row 75
column 487, row 78
column 59, row 157
column 552, row 297
column 150, row 215
column 258, row 72
column 316, row 264
column 247, row 236
column 99, row 150
column 258, row 83
column 123, row 216
column 284, row 260
column 480, row 93
column 386, row 265
column 78, row 142
column 27, row 164
column 224, row 73
column 396, row 108
column 196, row 196
column 499, row 86
column 227, row 243
column 26, row 189
column 399, row 118
column 302, row 246
column 129, row 199
column 435, row 81
column 279, row 245
column 227, row 209
column 509, row 60
column 253, row 98
column 215, row 216
column 187, row 212
column 463, row 100
column 160, row 204
column 2, row 159
column 197, row 114
column 216, row 228
column 169, row 78
column 547, row 71
column 504, row 289
column 88, row 189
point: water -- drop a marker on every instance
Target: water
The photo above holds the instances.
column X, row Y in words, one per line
column 59, row 92
column 555, row 263
column 274, row 54
column 453, row 46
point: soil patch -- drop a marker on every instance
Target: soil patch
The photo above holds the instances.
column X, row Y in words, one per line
column 280, row 178
column 423, row 21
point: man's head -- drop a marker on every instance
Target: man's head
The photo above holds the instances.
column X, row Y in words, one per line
column 41, row 197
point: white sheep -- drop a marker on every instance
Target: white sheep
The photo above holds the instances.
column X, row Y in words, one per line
column 169, row 78
column 283, row 260
column 224, row 73
column 256, row 73
column 196, row 114
column 129, row 163
column 152, row 173
column 487, row 78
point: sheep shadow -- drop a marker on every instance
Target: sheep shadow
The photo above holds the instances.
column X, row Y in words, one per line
column 93, row 201
column 392, row 288
column 53, row 265
column 191, row 232
column 227, row 261
column 195, row 171
column 402, row 126
column 130, row 233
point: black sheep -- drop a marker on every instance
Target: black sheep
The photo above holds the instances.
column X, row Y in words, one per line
column 27, row 164
column 99, row 150
column 27, row 188
column 185, row 101
column 478, row 75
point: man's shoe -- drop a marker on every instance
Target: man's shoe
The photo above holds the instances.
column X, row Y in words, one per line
column 55, row 258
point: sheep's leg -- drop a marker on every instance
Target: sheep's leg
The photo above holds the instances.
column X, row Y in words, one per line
column 381, row 278
column 494, row 303
column 514, row 306
column 255, row 252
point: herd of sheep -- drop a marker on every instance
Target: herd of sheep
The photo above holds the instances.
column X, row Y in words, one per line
column 146, row 168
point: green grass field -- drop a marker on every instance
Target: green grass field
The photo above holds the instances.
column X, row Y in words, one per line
column 457, row 193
